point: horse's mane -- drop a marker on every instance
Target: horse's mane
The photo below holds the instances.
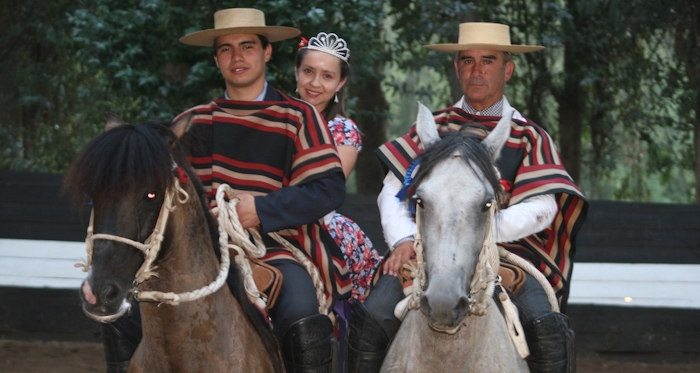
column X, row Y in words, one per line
column 472, row 151
column 128, row 158
column 121, row 161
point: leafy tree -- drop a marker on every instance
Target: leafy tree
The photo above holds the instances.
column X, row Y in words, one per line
column 617, row 85
column 41, row 87
column 124, row 57
column 687, row 48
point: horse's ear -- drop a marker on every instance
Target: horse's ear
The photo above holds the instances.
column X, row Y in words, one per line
column 181, row 124
column 498, row 137
column 113, row 120
column 425, row 126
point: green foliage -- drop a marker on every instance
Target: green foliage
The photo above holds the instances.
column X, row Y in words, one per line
column 40, row 87
column 124, row 57
column 636, row 104
column 133, row 45
column 631, row 63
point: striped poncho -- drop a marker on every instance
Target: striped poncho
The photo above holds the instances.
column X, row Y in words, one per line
column 280, row 151
column 529, row 162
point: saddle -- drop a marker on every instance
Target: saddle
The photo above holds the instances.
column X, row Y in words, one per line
column 512, row 276
column 267, row 278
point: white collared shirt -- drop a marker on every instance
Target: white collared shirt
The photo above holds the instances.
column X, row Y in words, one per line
column 260, row 97
column 525, row 218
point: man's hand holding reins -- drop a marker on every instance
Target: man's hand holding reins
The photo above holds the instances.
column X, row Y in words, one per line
column 247, row 214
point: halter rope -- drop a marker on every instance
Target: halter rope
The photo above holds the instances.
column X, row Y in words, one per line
column 230, row 226
column 482, row 285
column 484, row 280
column 150, row 248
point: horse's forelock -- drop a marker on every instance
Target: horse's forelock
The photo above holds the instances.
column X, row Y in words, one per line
column 120, row 161
column 471, row 150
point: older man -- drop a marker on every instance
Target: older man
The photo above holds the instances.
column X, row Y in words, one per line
column 277, row 154
column 539, row 223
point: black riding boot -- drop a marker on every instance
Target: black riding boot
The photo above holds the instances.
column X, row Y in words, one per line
column 118, row 348
column 307, row 346
column 373, row 326
column 551, row 344
column 367, row 342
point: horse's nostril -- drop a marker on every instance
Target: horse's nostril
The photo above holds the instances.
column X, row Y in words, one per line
column 425, row 305
column 462, row 305
column 87, row 293
column 110, row 292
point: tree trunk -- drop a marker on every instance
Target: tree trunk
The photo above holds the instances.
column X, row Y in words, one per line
column 696, row 134
column 570, row 99
column 370, row 116
column 687, row 47
column 570, row 123
column 600, row 133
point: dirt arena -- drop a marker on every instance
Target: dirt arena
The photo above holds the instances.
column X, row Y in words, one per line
column 76, row 357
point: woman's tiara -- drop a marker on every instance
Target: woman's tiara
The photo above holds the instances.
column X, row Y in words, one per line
column 328, row 43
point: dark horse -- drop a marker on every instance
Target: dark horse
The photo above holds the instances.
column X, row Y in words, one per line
column 134, row 174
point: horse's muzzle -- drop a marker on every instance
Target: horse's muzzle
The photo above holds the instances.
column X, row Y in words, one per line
column 445, row 314
column 446, row 330
column 123, row 308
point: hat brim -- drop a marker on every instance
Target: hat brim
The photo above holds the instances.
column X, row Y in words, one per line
column 496, row 47
column 205, row 38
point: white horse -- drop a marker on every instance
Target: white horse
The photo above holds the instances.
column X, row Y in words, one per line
column 456, row 194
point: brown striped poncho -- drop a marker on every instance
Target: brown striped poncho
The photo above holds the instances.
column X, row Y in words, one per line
column 530, row 161
column 273, row 149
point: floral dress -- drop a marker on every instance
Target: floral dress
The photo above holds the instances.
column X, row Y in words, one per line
column 361, row 257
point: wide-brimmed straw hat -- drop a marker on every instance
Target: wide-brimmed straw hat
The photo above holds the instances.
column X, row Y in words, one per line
column 483, row 35
column 239, row 21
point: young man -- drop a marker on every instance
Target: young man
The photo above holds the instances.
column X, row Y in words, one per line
column 278, row 156
column 539, row 223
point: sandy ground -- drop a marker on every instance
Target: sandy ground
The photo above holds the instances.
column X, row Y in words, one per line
column 78, row 357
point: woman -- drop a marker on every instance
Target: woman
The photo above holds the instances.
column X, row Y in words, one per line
column 321, row 69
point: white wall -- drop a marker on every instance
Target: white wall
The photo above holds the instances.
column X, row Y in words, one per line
column 34, row 263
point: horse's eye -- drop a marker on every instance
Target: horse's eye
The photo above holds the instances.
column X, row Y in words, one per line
column 151, row 195
column 488, row 205
column 417, row 200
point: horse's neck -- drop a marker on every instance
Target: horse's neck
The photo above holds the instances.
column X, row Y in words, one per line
column 209, row 334
column 491, row 323
column 188, row 263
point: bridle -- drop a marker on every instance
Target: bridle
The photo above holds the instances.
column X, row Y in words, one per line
column 150, row 249
column 483, row 282
column 485, row 277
